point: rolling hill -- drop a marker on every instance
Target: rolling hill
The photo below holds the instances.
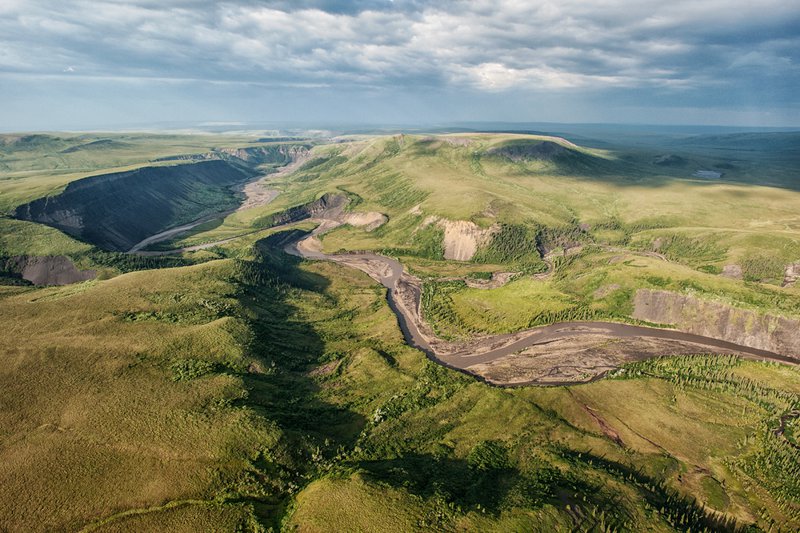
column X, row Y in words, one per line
column 232, row 386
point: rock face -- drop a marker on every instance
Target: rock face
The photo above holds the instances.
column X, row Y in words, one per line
column 791, row 275
column 329, row 209
column 329, row 204
column 281, row 154
column 462, row 239
column 50, row 270
column 278, row 154
column 369, row 221
column 116, row 211
column 712, row 319
column 732, row 271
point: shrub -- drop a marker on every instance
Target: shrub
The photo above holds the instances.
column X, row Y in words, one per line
column 189, row 369
column 489, row 455
column 762, row 268
column 513, row 243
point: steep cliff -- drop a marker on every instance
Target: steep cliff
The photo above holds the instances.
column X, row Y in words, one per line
column 461, row 239
column 331, row 204
column 713, row 319
column 276, row 154
column 115, row 211
column 280, row 154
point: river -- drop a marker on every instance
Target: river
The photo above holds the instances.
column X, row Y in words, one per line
column 390, row 273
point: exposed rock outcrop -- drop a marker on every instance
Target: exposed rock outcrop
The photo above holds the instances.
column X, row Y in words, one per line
column 329, row 209
column 280, row 154
column 330, row 204
column 462, row 238
column 48, row 270
column 367, row 220
column 207, row 156
column 791, row 274
column 732, row 271
column 713, row 319
column 498, row 280
column 277, row 154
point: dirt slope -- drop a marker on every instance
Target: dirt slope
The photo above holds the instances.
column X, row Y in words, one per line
column 462, row 238
column 51, row 270
column 116, row 211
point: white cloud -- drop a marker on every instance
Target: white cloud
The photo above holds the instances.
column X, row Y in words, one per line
column 498, row 77
column 489, row 45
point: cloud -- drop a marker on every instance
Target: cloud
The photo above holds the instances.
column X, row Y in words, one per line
column 507, row 43
column 497, row 77
column 483, row 46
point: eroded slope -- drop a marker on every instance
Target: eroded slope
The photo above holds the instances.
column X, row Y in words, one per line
column 115, row 211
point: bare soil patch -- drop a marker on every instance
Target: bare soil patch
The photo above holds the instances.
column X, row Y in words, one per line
column 579, row 359
column 498, row 280
column 462, row 238
column 732, row 271
column 50, row 270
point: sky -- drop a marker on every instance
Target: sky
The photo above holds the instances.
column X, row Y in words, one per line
column 71, row 64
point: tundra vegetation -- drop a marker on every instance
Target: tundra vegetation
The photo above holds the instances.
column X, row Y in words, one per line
column 240, row 388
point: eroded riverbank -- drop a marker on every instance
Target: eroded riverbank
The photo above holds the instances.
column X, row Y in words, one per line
column 564, row 353
column 558, row 354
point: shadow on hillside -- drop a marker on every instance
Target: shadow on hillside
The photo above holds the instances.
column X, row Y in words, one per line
column 280, row 389
column 481, row 486
column 454, row 480
column 486, row 481
column 749, row 162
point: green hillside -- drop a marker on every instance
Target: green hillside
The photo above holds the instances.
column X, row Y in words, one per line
column 238, row 388
column 572, row 197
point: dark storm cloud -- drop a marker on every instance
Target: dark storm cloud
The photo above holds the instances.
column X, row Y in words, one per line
column 677, row 53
